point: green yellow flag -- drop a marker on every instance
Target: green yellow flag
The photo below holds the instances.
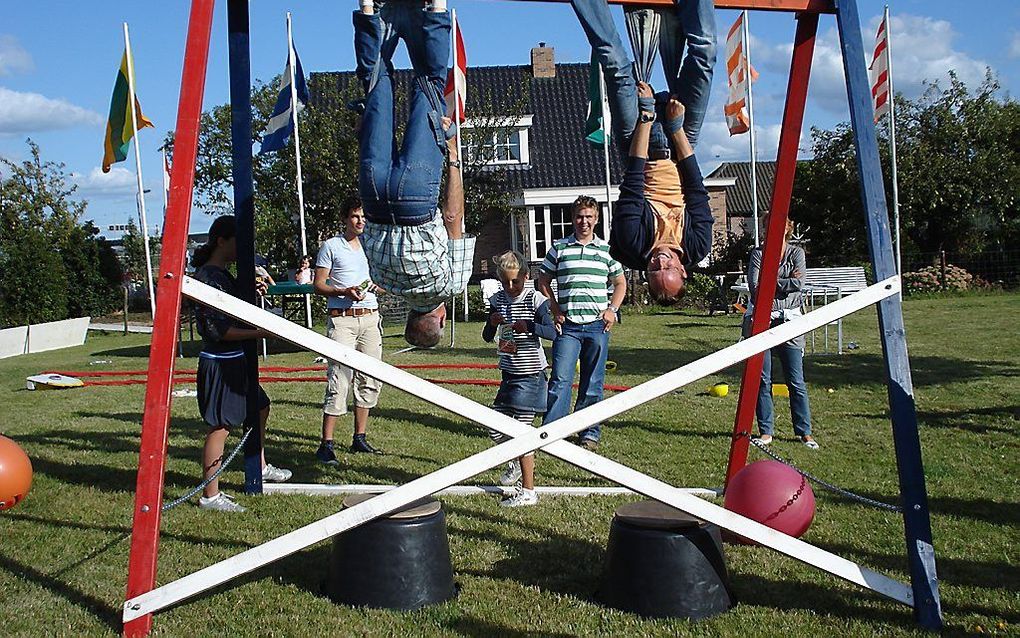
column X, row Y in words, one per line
column 118, row 126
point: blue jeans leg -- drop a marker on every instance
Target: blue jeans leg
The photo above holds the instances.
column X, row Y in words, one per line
column 376, row 143
column 591, row 386
column 792, row 358
column 691, row 24
column 621, row 88
column 566, row 350
column 764, row 409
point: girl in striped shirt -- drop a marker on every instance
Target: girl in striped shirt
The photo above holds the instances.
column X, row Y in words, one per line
column 518, row 320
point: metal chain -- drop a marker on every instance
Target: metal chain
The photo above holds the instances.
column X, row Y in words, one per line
column 825, row 484
column 223, row 466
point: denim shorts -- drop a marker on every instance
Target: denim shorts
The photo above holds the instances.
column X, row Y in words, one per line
column 524, row 392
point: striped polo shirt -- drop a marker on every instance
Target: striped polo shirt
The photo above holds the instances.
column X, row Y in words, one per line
column 530, row 357
column 582, row 273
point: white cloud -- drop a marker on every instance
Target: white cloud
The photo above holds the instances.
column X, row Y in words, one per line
column 922, row 51
column 31, row 113
column 13, row 57
column 716, row 144
column 1014, row 46
column 118, row 183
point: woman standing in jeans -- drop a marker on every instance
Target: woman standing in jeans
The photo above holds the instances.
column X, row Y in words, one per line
column 786, row 307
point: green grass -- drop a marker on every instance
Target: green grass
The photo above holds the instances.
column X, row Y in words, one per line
column 533, row 572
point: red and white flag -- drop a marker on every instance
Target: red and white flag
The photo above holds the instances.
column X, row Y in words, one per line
column 879, row 72
column 456, row 79
column 736, row 73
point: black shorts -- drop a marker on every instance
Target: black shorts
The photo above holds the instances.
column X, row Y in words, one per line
column 223, row 390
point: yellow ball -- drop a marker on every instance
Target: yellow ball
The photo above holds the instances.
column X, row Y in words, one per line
column 719, row 390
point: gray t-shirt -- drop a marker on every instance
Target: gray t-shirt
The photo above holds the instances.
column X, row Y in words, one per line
column 348, row 267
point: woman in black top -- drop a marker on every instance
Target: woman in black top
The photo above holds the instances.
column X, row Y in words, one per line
column 222, row 378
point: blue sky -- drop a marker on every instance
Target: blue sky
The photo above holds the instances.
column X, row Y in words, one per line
column 58, row 61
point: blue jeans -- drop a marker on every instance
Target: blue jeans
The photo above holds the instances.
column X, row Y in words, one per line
column 401, row 187
column 588, row 342
column 692, row 23
column 792, row 358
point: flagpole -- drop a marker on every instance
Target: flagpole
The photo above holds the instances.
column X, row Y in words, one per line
column 165, row 191
column 605, row 141
column 140, row 196
column 751, row 137
column 292, row 65
column 456, row 110
column 892, row 140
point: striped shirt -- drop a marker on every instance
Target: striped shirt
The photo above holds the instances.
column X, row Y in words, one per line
column 530, row 357
column 582, row 273
column 420, row 263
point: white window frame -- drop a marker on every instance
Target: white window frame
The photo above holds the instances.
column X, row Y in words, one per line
column 518, row 125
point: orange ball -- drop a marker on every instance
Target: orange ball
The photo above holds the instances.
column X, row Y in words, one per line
column 15, row 473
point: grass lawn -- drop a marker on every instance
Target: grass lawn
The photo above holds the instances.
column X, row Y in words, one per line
column 534, row 571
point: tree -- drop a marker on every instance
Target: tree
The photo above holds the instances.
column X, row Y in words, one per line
column 134, row 254
column 959, row 163
column 53, row 266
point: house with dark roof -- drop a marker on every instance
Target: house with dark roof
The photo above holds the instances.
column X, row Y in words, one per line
column 738, row 201
column 544, row 153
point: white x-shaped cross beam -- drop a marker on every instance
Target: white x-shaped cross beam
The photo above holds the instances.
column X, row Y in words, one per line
column 525, row 440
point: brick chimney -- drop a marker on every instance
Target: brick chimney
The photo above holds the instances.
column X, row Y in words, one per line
column 543, row 61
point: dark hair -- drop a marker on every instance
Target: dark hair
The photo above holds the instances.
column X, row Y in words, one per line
column 351, row 204
column 224, row 227
column 582, row 202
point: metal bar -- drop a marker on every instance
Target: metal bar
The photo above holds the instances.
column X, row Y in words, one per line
column 786, row 166
column 750, row 127
column 916, row 520
column 549, row 438
column 317, row 489
column 792, row 6
column 156, row 418
column 244, row 212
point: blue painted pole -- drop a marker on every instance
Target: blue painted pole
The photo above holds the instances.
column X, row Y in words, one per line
column 244, row 211
column 914, row 496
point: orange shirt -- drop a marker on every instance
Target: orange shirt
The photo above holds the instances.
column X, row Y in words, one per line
column 663, row 192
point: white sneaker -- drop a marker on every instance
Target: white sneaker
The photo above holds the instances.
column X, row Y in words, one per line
column 512, row 474
column 220, row 503
column 274, row 474
column 520, row 498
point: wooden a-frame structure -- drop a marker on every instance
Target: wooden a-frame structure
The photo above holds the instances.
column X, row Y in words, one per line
column 144, row 598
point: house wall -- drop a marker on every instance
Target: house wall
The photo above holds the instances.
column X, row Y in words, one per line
column 493, row 239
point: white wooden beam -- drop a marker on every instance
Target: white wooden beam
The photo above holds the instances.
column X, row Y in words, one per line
column 549, row 438
column 320, row 489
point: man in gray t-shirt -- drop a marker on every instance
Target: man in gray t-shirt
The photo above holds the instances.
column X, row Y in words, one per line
column 341, row 275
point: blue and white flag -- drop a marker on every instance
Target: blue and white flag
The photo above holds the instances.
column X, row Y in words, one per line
column 281, row 123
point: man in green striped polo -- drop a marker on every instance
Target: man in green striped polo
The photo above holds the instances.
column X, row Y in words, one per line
column 583, row 313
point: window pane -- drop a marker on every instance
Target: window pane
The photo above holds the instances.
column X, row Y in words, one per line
column 540, row 246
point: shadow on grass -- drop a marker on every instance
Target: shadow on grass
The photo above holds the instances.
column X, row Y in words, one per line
column 557, row 562
column 460, row 427
column 962, row 419
column 106, row 614
column 478, row 628
column 953, row 571
column 869, row 369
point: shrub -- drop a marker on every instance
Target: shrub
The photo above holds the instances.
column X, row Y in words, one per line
column 928, row 280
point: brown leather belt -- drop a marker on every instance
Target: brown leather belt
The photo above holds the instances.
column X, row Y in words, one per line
column 350, row 312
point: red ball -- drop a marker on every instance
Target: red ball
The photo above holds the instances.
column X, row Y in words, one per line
column 15, row 473
column 774, row 495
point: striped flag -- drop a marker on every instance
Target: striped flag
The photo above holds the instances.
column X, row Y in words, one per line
column 119, row 130
column 736, row 63
column 456, row 79
column 879, row 72
column 596, row 125
column 281, row 123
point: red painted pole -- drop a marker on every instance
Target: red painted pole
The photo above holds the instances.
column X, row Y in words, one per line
column 156, row 420
column 786, row 166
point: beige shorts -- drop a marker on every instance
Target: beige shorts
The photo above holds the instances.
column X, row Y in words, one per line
column 364, row 334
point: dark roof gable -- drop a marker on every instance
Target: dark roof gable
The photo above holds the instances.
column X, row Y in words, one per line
column 560, row 156
column 738, row 196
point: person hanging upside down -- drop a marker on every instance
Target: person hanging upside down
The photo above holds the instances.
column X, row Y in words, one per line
column 654, row 232
column 413, row 249
column 657, row 200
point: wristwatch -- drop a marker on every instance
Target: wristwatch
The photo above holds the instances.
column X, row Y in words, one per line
column 613, row 308
column 454, row 163
column 647, row 116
